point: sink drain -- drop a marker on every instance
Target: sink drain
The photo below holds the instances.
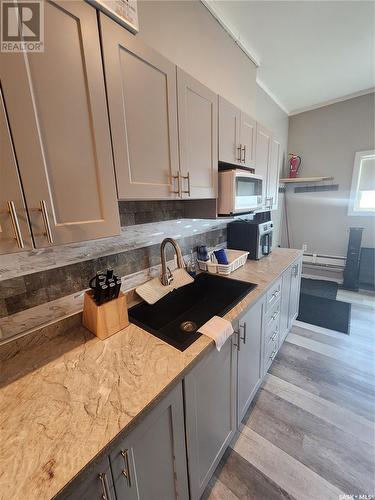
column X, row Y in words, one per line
column 188, row 326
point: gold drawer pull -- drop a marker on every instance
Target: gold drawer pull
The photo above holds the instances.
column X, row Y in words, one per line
column 47, row 227
column 15, row 224
column 178, row 177
column 105, row 490
column 126, row 470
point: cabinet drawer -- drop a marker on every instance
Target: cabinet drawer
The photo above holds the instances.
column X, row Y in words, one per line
column 272, row 333
column 273, row 313
column 273, row 294
column 270, row 353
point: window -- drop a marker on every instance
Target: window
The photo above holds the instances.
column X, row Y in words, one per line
column 362, row 194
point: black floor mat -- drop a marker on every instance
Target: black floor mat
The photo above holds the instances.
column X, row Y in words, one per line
column 319, row 288
column 327, row 313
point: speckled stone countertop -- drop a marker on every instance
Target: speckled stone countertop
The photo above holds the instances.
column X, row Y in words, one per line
column 67, row 396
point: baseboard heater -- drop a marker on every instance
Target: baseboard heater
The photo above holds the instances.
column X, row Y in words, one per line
column 332, row 261
column 321, row 266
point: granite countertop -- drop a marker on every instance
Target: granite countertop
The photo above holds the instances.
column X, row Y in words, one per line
column 66, row 397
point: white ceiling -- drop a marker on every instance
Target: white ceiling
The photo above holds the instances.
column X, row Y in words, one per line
column 309, row 52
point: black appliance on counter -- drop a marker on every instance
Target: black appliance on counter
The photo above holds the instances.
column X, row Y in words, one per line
column 252, row 236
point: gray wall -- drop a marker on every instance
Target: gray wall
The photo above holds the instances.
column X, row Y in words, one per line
column 274, row 118
column 187, row 34
column 327, row 139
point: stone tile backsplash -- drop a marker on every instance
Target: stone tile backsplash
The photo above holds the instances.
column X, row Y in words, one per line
column 143, row 212
column 19, row 293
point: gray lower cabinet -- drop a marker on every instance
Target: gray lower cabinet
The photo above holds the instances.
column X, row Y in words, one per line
column 150, row 463
column 95, row 483
column 295, row 284
column 285, row 299
column 249, row 369
column 210, row 414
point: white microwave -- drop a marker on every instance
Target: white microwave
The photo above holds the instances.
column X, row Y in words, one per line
column 239, row 192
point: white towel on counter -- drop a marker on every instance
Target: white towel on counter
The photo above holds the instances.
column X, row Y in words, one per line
column 218, row 329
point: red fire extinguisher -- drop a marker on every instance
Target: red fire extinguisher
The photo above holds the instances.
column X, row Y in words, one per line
column 294, row 165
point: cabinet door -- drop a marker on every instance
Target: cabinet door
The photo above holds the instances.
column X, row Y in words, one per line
column 57, row 112
column 14, row 227
column 142, row 99
column 94, row 483
column 262, row 156
column 273, row 174
column 198, row 135
column 229, row 132
column 248, row 140
column 150, row 463
column 295, row 285
column 285, row 299
column 210, row 398
column 249, row 370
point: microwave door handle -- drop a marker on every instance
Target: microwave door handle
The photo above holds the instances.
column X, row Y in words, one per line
column 266, row 245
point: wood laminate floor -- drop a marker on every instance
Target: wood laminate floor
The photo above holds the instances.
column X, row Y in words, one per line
column 309, row 433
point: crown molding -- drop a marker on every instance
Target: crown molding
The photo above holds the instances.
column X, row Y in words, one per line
column 248, row 51
column 333, row 101
column 272, row 95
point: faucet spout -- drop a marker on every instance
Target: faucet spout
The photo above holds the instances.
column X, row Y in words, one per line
column 166, row 275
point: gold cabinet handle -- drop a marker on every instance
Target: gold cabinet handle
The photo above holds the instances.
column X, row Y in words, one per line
column 15, row 224
column 178, row 177
column 126, row 470
column 47, row 227
column 105, row 490
column 187, row 177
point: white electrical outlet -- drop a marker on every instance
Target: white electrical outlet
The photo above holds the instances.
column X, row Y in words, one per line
column 304, row 247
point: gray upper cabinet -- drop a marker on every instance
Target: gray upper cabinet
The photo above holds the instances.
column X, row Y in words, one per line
column 262, row 152
column 150, row 463
column 267, row 161
column 229, row 132
column 273, row 174
column 198, row 136
column 14, row 227
column 142, row 99
column 57, row 113
column 237, row 135
column 249, row 370
column 210, row 413
column 247, row 140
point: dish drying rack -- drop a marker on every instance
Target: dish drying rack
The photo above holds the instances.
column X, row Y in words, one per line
column 236, row 259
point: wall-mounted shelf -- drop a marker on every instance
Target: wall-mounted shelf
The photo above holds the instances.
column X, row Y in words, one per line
column 305, row 179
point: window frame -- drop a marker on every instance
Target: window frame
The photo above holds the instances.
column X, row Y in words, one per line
column 352, row 211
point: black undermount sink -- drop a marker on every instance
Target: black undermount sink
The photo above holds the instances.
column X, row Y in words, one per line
column 176, row 317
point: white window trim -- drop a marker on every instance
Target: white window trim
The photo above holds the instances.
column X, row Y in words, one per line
column 355, row 181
